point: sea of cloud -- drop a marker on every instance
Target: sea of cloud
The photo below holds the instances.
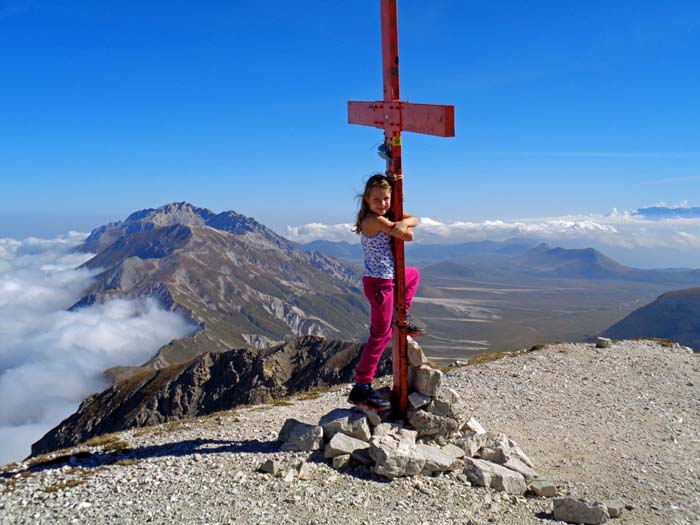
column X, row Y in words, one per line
column 52, row 358
column 620, row 230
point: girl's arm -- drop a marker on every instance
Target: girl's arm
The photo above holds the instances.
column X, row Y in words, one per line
column 404, row 225
column 403, row 229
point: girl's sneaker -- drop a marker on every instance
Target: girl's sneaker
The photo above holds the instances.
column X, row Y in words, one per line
column 412, row 329
column 366, row 396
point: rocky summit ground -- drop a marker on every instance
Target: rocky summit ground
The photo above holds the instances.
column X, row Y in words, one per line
column 615, row 423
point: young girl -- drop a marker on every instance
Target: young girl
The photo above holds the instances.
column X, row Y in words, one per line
column 375, row 227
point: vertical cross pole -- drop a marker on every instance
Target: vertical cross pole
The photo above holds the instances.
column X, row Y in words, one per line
column 393, row 116
column 392, row 141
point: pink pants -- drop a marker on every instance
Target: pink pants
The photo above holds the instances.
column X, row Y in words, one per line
column 380, row 293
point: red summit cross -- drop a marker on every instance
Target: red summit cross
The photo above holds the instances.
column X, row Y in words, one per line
column 394, row 116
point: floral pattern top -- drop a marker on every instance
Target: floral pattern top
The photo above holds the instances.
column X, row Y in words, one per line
column 379, row 259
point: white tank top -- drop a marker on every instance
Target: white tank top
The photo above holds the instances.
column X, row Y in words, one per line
column 379, row 259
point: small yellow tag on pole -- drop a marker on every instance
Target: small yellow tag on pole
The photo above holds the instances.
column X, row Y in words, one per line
column 396, row 141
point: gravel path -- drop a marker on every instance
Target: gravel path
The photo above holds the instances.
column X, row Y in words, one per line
column 621, row 422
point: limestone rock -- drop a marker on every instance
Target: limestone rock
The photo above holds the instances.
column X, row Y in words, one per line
column 518, row 453
column 341, row 444
column 395, row 454
column 615, row 507
column 579, row 511
column 298, row 436
column 418, row 400
column 373, row 417
column 473, row 425
column 453, row 450
column 416, row 357
column 348, row 422
column 427, row 424
column 470, row 443
column 603, row 342
column 425, row 380
column 497, row 477
column 497, row 449
column 543, row 488
column 436, row 460
column 448, row 403
column 388, row 428
column 270, row 467
column 341, row 462
column 305, row 471
column 518, row 466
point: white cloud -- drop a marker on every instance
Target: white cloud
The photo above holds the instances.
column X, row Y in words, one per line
column 316, row 231
column 616, row 229
column 52, row 358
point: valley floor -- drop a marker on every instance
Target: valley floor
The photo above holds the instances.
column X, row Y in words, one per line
column 622, row 422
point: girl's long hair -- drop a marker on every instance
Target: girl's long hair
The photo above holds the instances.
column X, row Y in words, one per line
column 375, row 181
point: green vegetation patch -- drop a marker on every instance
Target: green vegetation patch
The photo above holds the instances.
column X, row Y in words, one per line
column 108, row 442
column 47, row 460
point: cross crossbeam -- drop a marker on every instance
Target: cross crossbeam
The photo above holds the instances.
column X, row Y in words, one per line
column 394, row 116
column 428, row 119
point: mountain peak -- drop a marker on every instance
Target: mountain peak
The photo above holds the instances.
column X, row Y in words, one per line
column 173, row 213
column 178, row 213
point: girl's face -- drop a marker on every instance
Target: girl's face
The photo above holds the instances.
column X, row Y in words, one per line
column 379, row 200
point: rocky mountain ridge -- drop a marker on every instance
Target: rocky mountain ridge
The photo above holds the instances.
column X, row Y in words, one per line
column 210, row 382
column 240, row 283
column 674, row 315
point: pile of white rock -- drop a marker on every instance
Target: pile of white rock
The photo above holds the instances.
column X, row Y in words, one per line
column 437, row 438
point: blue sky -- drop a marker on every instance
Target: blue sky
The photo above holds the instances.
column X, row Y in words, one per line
column 562, row 108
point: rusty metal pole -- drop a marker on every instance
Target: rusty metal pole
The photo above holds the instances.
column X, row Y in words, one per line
column 392, row 140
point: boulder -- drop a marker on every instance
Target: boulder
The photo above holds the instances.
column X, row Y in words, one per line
column 518, row 453
column 417, row 400
column 472, row 425
column 388, row 428
column 298, row 436
column 342, row 461
column 305, row 471
column 543, row 488
column 518, row 466
column 427, row 424
column 270, row 467
column 395, row 454
column 415, row 354
column 470, row 443
column 453, row 450
column 373, row 417
column 497, row 448
column 424, row 380
column 349, row 422
column 436, row 460
column 341, row 444
column 448, row 403
column 603, row 342
column 487, row 474
column 615, row 507
column 579, row 511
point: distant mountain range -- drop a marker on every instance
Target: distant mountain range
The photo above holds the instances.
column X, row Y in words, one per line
column 673, row 315
column 237, row 280
column 490, row 260
column 427, row 253
column 666, row 212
